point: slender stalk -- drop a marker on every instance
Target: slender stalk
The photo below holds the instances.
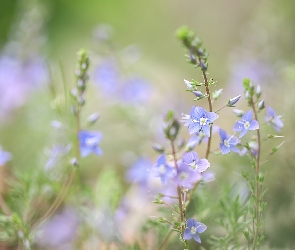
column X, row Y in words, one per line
column 170, row 207
column 257, row 187
column 4, row 206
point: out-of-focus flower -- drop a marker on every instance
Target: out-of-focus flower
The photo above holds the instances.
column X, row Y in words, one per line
column 4, row 157
column 89, row 142
column 200, row 120
column 208, row 176
column 139, row 172
column 228, row 143
column 193, row 229
column 186, row 177
column 56, row 153
column 272, row 119
column 196, row 164
column 163, row 169
column 246, row 124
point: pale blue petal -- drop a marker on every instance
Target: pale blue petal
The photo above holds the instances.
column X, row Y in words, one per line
column 243, row 133
column 203, row 164
column 234, row 149
column 85, row 151
column 187, row 234
column 201, row 227
column 224, row 149
column 189, row 157
column 97, row 151
column 194, row 127
column 212, row 116
column 161, row 160
column 197, row 238
column 238, row 127
column 222, row 134
column 247, row 116
column 199, row 113
column 206, row 130
column 254, row 125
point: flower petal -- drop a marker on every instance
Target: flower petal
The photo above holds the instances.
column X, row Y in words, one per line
column 254, row 125
column 197, row 238
column 211, row 116
column 85, row 151
column 238, row 127
column 247, row 116
column 206, row 130
column 187, row 234
column 189, row 157
column 199, row 112
column 201, row 227
column 224, row 149
column 222, row 134
column 194, row 127
column 243, row 133
column 203, row 164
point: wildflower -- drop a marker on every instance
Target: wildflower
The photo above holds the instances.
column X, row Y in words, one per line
column 186, row 176
column 272, row 119
column 200, row 137
column 4, row 157
column 139, row 173
column 163, row 169
column 193, row 229
column 228, row 143
column 188, row 84
column 200, row 120
column 196, row 164
column 231, row 102
column 246, row 124
column 89, row 142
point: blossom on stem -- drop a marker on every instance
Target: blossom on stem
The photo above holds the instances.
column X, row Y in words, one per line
column 246, row 124
column 228, row 143
column 196, row 164
column 139, row 172
column 200, row 120
column 163, row 169
column 193, row 229
column 89, row 142
column 186, row 177
column 272, row 119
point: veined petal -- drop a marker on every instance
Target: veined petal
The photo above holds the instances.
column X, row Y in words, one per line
column 206, row 130
column 197, row 238
column 224, row 149
column 189, row 157
column 212, row 116
column 203, row 164
column 243, row 133
column 248, row 116
column 194, row 127
column 222, row 134
column 187, row 234
column 199, row 112
column 201, row 227
column 238, row 127
column 254, row 125
column 191, row 223
column 233, row 141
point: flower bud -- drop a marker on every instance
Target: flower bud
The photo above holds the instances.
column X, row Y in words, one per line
column 258, row 91
column 93, row 118
column 238, row 112
column 216, row 94
column 198, row 94
column 233, row 101
column 204, row 66
column 158, row 148
column 261, row 105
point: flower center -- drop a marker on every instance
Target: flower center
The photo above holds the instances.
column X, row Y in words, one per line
column 193, row 230
column 91, row 142
column 226, row 143
column 203, row 121
column 183, row 176
column 193, row 165
column 162, row 169
column 246, row 125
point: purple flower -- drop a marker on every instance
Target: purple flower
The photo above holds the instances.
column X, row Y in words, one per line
column 186, row 177
column 200, row 120
column 56, row 153
column 139, row 173
column 228, row 143
column 196, row 164
column 89, row 142
column 246, row 124
column 193, row 229
column 163, row 170
column 4, row 157
column 208, row 176
column 272, row 119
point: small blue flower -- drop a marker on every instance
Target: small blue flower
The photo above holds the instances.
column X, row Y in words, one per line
column 4, row 157
column 193, row 229
column 163, row 170
column 139, row 172
column 228, row 143
column 89, row 142
column 272, row 119
column 246, row 124
column 196, row 164
column 200, row 137
column 186, row 177
column 56, row 153
column 200, row 120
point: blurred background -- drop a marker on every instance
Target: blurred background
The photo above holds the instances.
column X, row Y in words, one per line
column 136, row 75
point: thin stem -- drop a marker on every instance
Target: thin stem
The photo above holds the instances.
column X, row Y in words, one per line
column 170, row 207
column 257, row 188
column 4, row 206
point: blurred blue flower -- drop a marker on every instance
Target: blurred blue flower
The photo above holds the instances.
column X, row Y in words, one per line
column 228, row 143
column 163, row 169
column 193, row 229
column 208, row 176
column 196, row 164
column 89, row 142
column 200, row 120
column 56, row 153
column 186, row 177
column 246, row 124
column 139, row 172
column 4, row 157
column 272, row 119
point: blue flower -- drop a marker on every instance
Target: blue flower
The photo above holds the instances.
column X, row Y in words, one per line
column 139, row 173
column 200, row 137
column 272, row 119
column 89, row 142
column 186, row 177
column 4, row 157
column 246, row 124
column 228, row 143
column 193, row 229
column 200, row 120
column 196, row 164
column 163, row 170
